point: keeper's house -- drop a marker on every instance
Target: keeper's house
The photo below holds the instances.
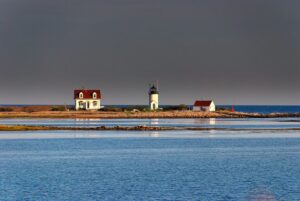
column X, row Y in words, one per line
column 87, row 99
column 204, row 105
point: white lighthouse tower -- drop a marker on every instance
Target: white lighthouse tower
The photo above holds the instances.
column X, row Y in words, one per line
column 153, row 97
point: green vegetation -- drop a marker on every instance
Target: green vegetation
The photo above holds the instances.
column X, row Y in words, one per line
column 131, row 108
column 59, row 108
column 141, row 108
column 111, row 109
column 176, row 107
column 5, row 109
column 222, row 109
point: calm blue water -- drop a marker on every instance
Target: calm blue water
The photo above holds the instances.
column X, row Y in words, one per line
column 150, row 169
column 249, row 123
column 143, row 165
column 266, row 109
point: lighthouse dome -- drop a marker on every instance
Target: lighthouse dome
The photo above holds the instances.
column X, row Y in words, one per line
column 153, row 90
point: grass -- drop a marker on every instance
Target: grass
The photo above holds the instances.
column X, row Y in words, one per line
column 21, row 128
column 6, row 109
column 140, row 115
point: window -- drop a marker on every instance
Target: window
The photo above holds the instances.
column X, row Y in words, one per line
column 94, row 95
column 81, row 104
column 80, row 95
column 95, row 103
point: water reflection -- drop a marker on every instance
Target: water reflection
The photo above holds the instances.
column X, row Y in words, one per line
column 154, row 134
column 250, row 123
column 208, row 121
column 212, row 121
column 261, row 194
column 86, row 121
column 154, row 122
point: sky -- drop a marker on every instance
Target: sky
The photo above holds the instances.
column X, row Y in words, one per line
column 233, row 51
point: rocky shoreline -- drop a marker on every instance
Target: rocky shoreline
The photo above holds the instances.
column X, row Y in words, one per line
column 100, row 128
column 130, row 128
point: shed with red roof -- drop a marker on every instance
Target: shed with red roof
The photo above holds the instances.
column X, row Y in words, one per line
column 204, row 105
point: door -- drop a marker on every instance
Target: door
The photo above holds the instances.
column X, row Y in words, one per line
column 153, row 106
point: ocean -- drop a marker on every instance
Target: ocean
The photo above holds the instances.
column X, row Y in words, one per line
column 242, row 165
column 265, row 109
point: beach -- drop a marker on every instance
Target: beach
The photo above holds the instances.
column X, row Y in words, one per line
column 154, row 114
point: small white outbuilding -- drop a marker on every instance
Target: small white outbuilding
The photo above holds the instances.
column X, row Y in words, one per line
column 204, row 105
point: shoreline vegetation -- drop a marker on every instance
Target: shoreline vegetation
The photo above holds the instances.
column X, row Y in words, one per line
column 141, row 115
column 131, row 128
column 132, row 112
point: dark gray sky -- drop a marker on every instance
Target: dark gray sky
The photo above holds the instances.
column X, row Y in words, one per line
column 234, row 51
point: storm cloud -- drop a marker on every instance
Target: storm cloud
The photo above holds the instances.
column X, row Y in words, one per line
column 234, row 51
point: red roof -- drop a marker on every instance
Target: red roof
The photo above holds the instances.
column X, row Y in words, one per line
column 87, row 93
column 202, row 103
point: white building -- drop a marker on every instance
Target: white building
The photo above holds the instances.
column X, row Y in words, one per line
column 87, row 99
column 204, row 105
column 153, row 98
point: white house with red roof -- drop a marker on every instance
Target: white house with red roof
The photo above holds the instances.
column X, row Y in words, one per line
column 204, row 105
column 87, row 99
